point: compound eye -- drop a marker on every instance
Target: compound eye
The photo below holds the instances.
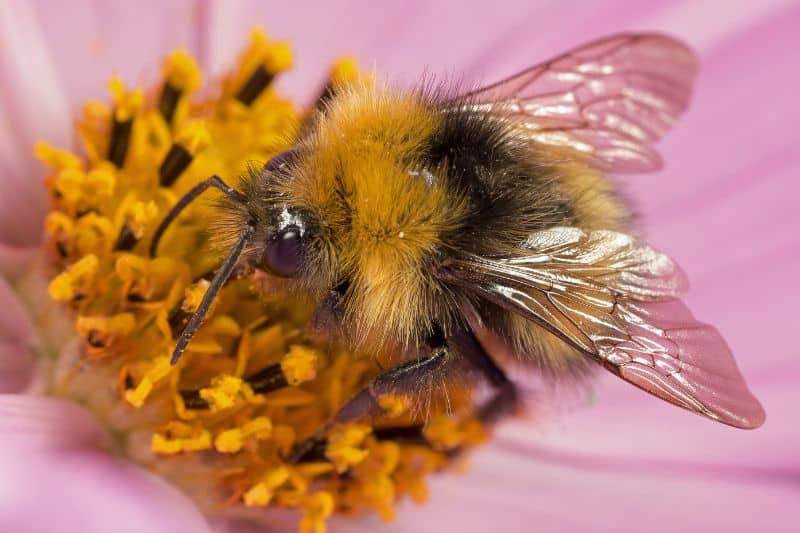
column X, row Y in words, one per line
column 284, row 252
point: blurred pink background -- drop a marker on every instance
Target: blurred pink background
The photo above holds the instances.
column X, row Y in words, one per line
column 725, row 207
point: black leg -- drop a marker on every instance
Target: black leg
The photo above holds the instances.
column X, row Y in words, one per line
column 189, row 197
column 326, row 317
column 364, row 404
column 407, row 377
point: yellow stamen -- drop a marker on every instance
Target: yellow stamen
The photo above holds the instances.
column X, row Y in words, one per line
column 194, row 137
column 181, row 437
column 145, row 279
column 226, row 391
column 232, row 440
column 345, row 446
column 345, row 71
column 74, row 282
column 376, row 485
column 159, row 369
column 181, row 71
column 55, row 158
column 252, row 384
column 194, row 295
column 262, row 492
column 80, row 190
column 317, row 507
column 126, row 103
column 275, row 56
column 299, row 364
column 448, row 433
column 136, row 215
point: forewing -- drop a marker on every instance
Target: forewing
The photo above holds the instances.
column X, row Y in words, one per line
column 616, row 299
column 606, row 102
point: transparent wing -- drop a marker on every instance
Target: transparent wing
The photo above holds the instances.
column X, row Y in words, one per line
column 616, row 299
column 606, row 102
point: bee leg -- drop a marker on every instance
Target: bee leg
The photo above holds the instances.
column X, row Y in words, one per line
column 405, row 377
column 364, row 404
column 505, row 398
column 413, row 434
column 326, row 318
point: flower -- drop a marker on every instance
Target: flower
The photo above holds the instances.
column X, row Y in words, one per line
column 221, row 423
column 725, row 214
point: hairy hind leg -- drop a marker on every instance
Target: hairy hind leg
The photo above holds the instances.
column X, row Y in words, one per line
column 407, row 376
column 364, row 404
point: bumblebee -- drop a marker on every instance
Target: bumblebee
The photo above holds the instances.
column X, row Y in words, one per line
column 463, row 228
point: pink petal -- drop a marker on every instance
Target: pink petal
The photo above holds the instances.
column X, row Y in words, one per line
column 53, row 57
column 46, row 424
column 90, row 492
column 57, row 477
column 15, row 321
column 624, row 424
column 14, row 260
column 16, row 367
column 32, row 107
column 17, row 341
column 401, row 40
column 514, row 490
column 90, row 41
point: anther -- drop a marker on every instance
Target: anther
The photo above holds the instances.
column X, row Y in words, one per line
column 344, row 71
column 193, row 400
column 126, row 239
column 120, row 141
column 175, row 162
column 268, row 379
column 168, row 101
column 255, row 85
column 181, row 77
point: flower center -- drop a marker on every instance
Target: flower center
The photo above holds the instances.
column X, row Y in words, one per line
column 253, row 383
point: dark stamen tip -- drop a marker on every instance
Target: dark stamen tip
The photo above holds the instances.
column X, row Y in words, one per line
column 268, row 379
column 325, row 95
column 168, row 101
column 409, row 434
column 119, row 142
column 175, row 162
column 310, row 451
column 126, row 239
column 62, row 249
column 255, row 85
column 193, row 400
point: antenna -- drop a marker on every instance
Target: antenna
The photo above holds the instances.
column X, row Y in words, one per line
column 222, row 275
column 225, row 269
column 189, row 197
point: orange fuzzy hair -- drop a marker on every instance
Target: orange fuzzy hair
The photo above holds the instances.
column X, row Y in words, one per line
column 381, row 225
